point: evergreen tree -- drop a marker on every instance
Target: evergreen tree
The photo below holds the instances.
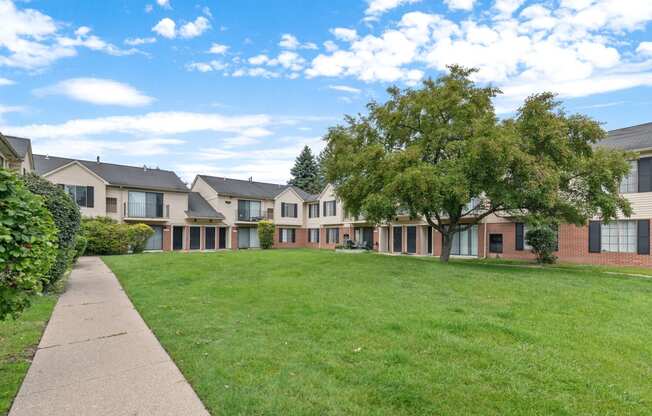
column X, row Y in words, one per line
column 305, row 173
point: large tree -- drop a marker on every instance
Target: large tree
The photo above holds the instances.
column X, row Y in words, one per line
column 440, row 153
column 305, row 173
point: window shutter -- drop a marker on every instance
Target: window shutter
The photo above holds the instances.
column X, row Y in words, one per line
column 594, row 236
column 280, row 235
column 90, row 196
column 324, row 207
column 519, row 236
column 294, row 235
column 317, row 210
column 282, row 209
column 334, row 208
column 645, row 174
column 643, row 237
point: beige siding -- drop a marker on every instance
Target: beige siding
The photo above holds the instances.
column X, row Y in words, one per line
column 641, row 204
column 288, row 197
column 74, row 174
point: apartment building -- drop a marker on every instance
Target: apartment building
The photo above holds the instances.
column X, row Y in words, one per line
column 16, row 154
column 181, row 220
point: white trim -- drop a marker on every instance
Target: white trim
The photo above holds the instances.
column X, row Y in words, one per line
column 75, row 162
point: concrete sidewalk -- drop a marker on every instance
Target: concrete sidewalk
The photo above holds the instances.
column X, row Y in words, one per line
column 97, row 357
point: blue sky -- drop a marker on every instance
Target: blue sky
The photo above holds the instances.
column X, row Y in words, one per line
column 237, row 88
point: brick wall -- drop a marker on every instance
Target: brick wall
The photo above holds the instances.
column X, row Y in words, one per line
column 301, row 238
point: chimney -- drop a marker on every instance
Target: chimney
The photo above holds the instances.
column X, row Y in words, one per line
column 98, row 159
column 251, row 179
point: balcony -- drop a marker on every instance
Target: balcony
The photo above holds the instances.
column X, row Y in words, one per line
column 136, row 210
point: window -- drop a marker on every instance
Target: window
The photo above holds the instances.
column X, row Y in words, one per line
column 619, row 237
column 313, row 234
column 287, row 235
column 629, row 183
column 465, row 243
column 332, row 235
column 249, row 210
column 313, row 210
column 145, row 205
column 112, row 205
column 330, row 208
column 495, row 243
column 288, row 210
column 82, row 195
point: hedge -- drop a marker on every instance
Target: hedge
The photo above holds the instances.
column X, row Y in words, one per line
column 266, row 234
column 28, row 244
column 67, row 219
column 105, row 236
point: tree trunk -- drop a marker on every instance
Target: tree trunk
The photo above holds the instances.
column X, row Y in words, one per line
column 447, row 245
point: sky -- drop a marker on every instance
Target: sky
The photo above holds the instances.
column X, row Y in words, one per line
column 237, row 88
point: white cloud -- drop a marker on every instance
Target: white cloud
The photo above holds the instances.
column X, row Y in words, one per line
column 164, row 3
column 139, row 41
column 166, row 27
column 157, row 124
column 506, row 8
column 5, row 81
column 342, row 33
column 345, row 88
column 376, row 8
column 330, row 46
column 644, row 48
column 85, row 39
column 194, row 29
column 149, row 8
column 84, row 148
column 460, row 4
column 289, row 41
column 218, row 49
column 98, row 91
column 258, row 59
column 211, row 66
column 4, row 109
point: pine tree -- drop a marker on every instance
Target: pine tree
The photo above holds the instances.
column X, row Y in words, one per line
column 305, row 173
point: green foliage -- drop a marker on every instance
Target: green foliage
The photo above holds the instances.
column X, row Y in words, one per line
column 105, row 236
column 67, row 219
column 543, row 240
column 27, row 244
column 138, row 236
column 80, row 246
column 266, row 234
column 306, row 172
column 428, row 152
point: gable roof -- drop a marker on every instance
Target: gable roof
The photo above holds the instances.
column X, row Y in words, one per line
column 6, row 146
column 251, row 189
column 20, row 145
column 629, row 138
column 117, row 175
column 198, row 207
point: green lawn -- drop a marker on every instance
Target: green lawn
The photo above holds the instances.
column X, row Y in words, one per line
column 304, row 332
column 18, row 341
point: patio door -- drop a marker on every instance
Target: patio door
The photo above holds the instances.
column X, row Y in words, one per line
column 429, row 240
column 155, row 242
column 209, row 238
column 222, row 237
column 195, row 238
column 411, row 239
column 177, row 238
column 398, row 239
column 248, row 238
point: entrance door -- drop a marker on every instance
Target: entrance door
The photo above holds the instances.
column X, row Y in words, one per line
column 195, row 238
column 412, row 239
column 429, row 240
column 177, row 238
column 368, row 237
column 222, row 237
column 398, row 239
column 155, row 242
column 209, row 238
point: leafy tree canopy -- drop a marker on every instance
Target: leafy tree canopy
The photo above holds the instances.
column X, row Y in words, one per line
column 306, row 173
column 430, row 152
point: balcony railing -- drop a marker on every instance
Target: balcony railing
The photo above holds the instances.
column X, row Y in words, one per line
column 134, row 209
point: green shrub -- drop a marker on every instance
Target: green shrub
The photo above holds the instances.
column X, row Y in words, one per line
column 80, row 246
column 27, row 244
column 138, row 236
column 67, row 219
column 105, row 236
column 543, row 240
column 266, row 234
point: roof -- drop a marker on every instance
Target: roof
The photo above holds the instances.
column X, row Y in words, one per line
column 629, row 138
column 6, row 146
column 251, row 189
column 118, row 175
column 198, row 207
column 304, row 195
column 20, row 145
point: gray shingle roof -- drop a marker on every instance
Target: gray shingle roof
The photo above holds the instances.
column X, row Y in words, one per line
column 20, row 145
column 198, row 207
column 118, row 175
column 629, row 138
column 6, row 148
column 251, row 189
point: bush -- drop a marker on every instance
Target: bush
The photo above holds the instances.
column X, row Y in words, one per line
column 266, row 234
column 138, row 236
column 27, row 244
column 543, row 240
column 67, row 219
column 80, row 246
column 105, row 236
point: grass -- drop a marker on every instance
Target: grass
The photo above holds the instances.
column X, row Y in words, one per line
column 306, row 332
column 18, row 341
